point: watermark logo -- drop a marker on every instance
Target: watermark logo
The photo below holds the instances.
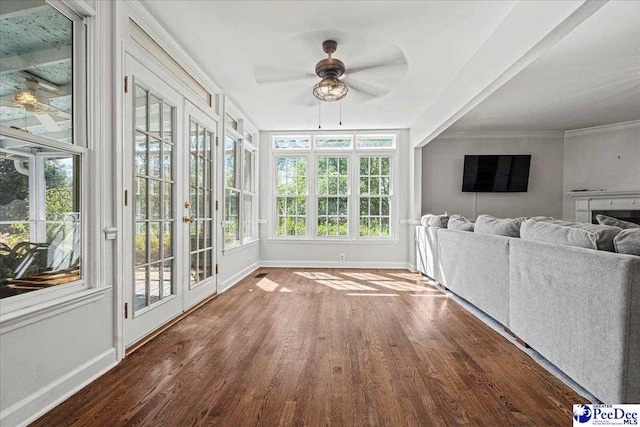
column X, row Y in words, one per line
column 581, row 413
column 606, row 415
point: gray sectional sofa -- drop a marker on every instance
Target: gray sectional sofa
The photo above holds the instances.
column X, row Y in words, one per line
column 579, row 308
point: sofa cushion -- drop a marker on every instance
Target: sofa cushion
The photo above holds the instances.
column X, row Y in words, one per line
column 628, row 242
column 605, row 233
column 608, row 220
column 460, row 223
column 487, row 224
column 558, row 234
column 438, row 221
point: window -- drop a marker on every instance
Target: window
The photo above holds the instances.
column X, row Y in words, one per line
column 291, row 141
column 333, row 196
column 375, row 196
column 340, row 142
column 291, row 196
column 376, row 141
column 331, row 170
column 249, row 216
column 42, row 149
column 232, row 192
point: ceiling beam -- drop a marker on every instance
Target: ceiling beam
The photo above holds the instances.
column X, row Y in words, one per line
column 529, row 31
column 13, row 8
column 30, row 60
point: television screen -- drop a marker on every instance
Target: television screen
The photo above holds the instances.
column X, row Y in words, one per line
column 495, row 174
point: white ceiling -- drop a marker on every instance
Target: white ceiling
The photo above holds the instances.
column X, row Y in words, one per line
column 230, row 40
column 590, row 78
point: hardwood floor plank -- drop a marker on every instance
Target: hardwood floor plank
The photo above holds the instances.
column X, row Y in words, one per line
column 324, row 347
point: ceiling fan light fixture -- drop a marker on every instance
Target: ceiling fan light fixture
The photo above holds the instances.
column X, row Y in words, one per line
column 25, row 97
column 330, row 89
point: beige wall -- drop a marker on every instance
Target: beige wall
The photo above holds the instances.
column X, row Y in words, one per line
column 442, row 166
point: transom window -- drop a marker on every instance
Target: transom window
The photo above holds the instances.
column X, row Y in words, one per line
column 329, row 169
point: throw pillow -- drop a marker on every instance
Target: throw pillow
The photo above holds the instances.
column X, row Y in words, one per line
column 438, row 221
column 487, row 224
column 615, row 222
column 460, row 223
column 628, row 242
column 604, row 233
column 558, row 234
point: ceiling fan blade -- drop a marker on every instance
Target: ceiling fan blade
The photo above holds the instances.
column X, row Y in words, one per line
column 46, row 108
column 366, row 89
column 265, row 75
column 48, row 122
column 305, row 99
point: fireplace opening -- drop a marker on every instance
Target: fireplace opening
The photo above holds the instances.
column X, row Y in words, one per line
column 625, row 215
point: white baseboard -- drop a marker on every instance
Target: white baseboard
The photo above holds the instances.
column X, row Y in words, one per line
column 48, row 397
column 337, row 264
column 236, row 278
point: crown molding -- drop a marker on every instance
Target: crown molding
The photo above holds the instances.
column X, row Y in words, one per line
column 500, row 134
column 603, row 128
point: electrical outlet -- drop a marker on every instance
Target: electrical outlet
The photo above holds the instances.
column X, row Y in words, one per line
column 342, row 257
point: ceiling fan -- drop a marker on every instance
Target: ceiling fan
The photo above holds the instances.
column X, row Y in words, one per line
column 35, row 100
column 338, row 79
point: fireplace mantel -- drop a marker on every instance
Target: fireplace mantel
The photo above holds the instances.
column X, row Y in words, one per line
column 603, row 193
column 617, row 200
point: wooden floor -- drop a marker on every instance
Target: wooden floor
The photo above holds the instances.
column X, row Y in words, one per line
column 324, row 347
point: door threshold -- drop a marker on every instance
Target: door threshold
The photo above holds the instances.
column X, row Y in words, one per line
column 151, row 335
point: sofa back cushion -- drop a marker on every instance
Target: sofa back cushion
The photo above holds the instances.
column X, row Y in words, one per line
column 605, row 233
column 460, row 223
column 438, row 221
column 487, row 224
column 608, row 220
column 558, row 234
column 628, row 242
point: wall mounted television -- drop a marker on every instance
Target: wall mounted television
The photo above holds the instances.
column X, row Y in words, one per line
column 496, row 174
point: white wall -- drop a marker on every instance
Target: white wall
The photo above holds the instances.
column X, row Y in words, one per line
column 602, row 158
column 393, row 254
column 442, row 166
column 46, row 360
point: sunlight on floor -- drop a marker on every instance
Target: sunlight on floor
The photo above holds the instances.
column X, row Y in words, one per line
column 316, row 275
column 267, row 285
column 400, row 286
column 365, row 276
column 372, row 295
column 409, row 276
column 346, row 285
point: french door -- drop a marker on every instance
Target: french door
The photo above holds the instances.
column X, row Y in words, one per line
column 168, row 175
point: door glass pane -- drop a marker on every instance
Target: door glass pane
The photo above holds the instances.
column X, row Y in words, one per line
column 201, row 191
column 154, row 203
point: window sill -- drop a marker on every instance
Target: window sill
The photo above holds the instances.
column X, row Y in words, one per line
column 240, row 246
column 34, row 313
column 371, row 241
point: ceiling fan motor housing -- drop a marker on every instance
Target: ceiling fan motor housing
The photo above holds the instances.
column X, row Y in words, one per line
column 330, row 67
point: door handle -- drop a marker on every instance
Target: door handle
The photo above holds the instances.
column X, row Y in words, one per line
column 188, row 219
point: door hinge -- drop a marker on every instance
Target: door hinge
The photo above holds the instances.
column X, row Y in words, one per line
column 217, row 140
column 126, row 197
column 126, row 84
column 217, row 269
column 216, row 205
column 126, row 310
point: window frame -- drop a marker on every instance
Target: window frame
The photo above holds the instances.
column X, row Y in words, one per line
column 307, row 195
column 19, row 310
column 242, row 145
column 354, row 154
